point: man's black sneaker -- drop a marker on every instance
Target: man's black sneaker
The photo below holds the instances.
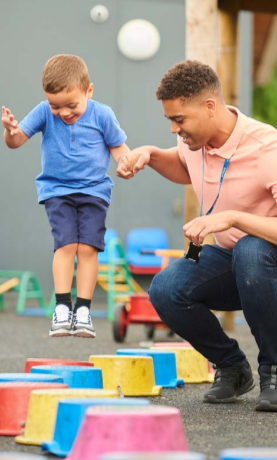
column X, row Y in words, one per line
column 267, row 401
column 230, row 382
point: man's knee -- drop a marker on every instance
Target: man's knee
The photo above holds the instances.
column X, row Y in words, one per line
column 165, row 292
column 156, row 291
column 250, row 254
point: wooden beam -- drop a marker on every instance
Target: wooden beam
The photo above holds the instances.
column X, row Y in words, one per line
column 262, row 25
column 268, row 57
column 227, row 66
column 262, row 6
column 8, row 285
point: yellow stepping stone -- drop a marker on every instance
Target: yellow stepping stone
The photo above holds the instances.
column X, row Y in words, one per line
column 133, row 375
column 42, row 410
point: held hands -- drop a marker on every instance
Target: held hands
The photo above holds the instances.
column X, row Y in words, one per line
column 9, row 122
column 131, row 164
column 197, row 229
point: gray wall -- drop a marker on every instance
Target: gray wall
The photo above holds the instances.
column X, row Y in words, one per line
column 31, row 31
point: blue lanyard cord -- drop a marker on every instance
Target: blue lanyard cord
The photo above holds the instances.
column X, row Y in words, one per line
column 224, row 169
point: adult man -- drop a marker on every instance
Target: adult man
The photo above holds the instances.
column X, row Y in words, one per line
column 231, row 161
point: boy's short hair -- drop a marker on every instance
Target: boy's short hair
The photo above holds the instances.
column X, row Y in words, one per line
column 65, row 72
column 188, row 80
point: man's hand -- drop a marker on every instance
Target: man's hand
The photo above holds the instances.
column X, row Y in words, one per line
column 197, row 229
column 132, row 163
column 9, row 122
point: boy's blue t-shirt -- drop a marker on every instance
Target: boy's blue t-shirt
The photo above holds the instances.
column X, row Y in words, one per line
column 74, row 158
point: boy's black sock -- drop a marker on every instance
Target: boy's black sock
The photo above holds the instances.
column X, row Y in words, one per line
column 65, row 299
column 80, row 302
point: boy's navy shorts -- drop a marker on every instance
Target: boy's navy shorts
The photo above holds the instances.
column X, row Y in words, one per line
column 77, row 218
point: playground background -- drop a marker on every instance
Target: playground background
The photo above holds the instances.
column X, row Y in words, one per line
column 39, row 30
column 239, row 39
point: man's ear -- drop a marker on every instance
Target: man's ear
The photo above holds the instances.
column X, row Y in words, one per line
column 90, row 91
column 210, row 105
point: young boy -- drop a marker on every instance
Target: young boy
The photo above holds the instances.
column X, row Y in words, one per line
column 78, row 136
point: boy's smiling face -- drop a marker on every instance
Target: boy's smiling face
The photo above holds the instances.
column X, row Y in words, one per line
column 69, row 106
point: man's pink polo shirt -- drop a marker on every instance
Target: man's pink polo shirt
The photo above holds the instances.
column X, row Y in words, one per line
column 250, row 182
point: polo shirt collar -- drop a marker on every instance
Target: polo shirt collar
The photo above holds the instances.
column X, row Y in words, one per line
column 228, row 149
column 87, row 111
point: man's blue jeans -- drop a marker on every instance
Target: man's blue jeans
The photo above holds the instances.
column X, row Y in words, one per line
column 243, row 278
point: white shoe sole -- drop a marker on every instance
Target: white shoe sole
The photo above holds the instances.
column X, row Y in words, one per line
column 60, row 333
column 85, row 333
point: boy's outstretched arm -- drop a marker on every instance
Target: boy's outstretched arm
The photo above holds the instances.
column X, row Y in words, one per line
column 165, row 161
column 119, row 152
column 13, row 135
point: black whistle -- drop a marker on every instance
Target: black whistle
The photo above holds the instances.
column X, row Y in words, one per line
column 193, row 252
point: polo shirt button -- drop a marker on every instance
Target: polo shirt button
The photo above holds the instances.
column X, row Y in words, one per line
column 73, row 140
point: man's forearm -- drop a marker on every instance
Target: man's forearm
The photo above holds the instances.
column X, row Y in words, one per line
column 262, row 227
column 167, row 163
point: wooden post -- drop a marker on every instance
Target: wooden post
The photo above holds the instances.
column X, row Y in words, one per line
column 201, row 44
column 268, row 59
column 211, row 37
column 227, row 65
column 228, row 72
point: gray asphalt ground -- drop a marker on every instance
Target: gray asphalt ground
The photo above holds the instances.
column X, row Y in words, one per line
column 209, row 428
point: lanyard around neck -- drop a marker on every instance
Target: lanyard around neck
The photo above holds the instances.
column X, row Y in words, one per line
column 225, row 166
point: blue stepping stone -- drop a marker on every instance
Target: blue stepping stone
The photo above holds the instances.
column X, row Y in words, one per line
column 74, row 376
column 70, row 415
column 164, row 365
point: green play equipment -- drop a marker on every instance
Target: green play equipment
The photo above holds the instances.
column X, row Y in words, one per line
column 27, row 286
column 119, row 279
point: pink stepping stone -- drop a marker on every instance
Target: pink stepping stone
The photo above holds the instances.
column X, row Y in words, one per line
column 128, row 429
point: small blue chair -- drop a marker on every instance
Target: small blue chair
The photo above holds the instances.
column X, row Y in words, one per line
column 165, row 369
column 148, row 239
column 74, row 376
column 70, row 414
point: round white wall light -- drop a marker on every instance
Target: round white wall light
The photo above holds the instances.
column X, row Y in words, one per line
column 138, row 40
column 99, row 13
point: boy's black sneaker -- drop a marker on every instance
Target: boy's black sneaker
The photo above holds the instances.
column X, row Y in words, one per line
column 267, row 401
column 230, row 382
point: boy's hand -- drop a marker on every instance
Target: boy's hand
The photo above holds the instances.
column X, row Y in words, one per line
column 133, row 163
column 9, row 122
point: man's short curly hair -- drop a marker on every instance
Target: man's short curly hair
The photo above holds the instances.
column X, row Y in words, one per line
column 188, row 80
